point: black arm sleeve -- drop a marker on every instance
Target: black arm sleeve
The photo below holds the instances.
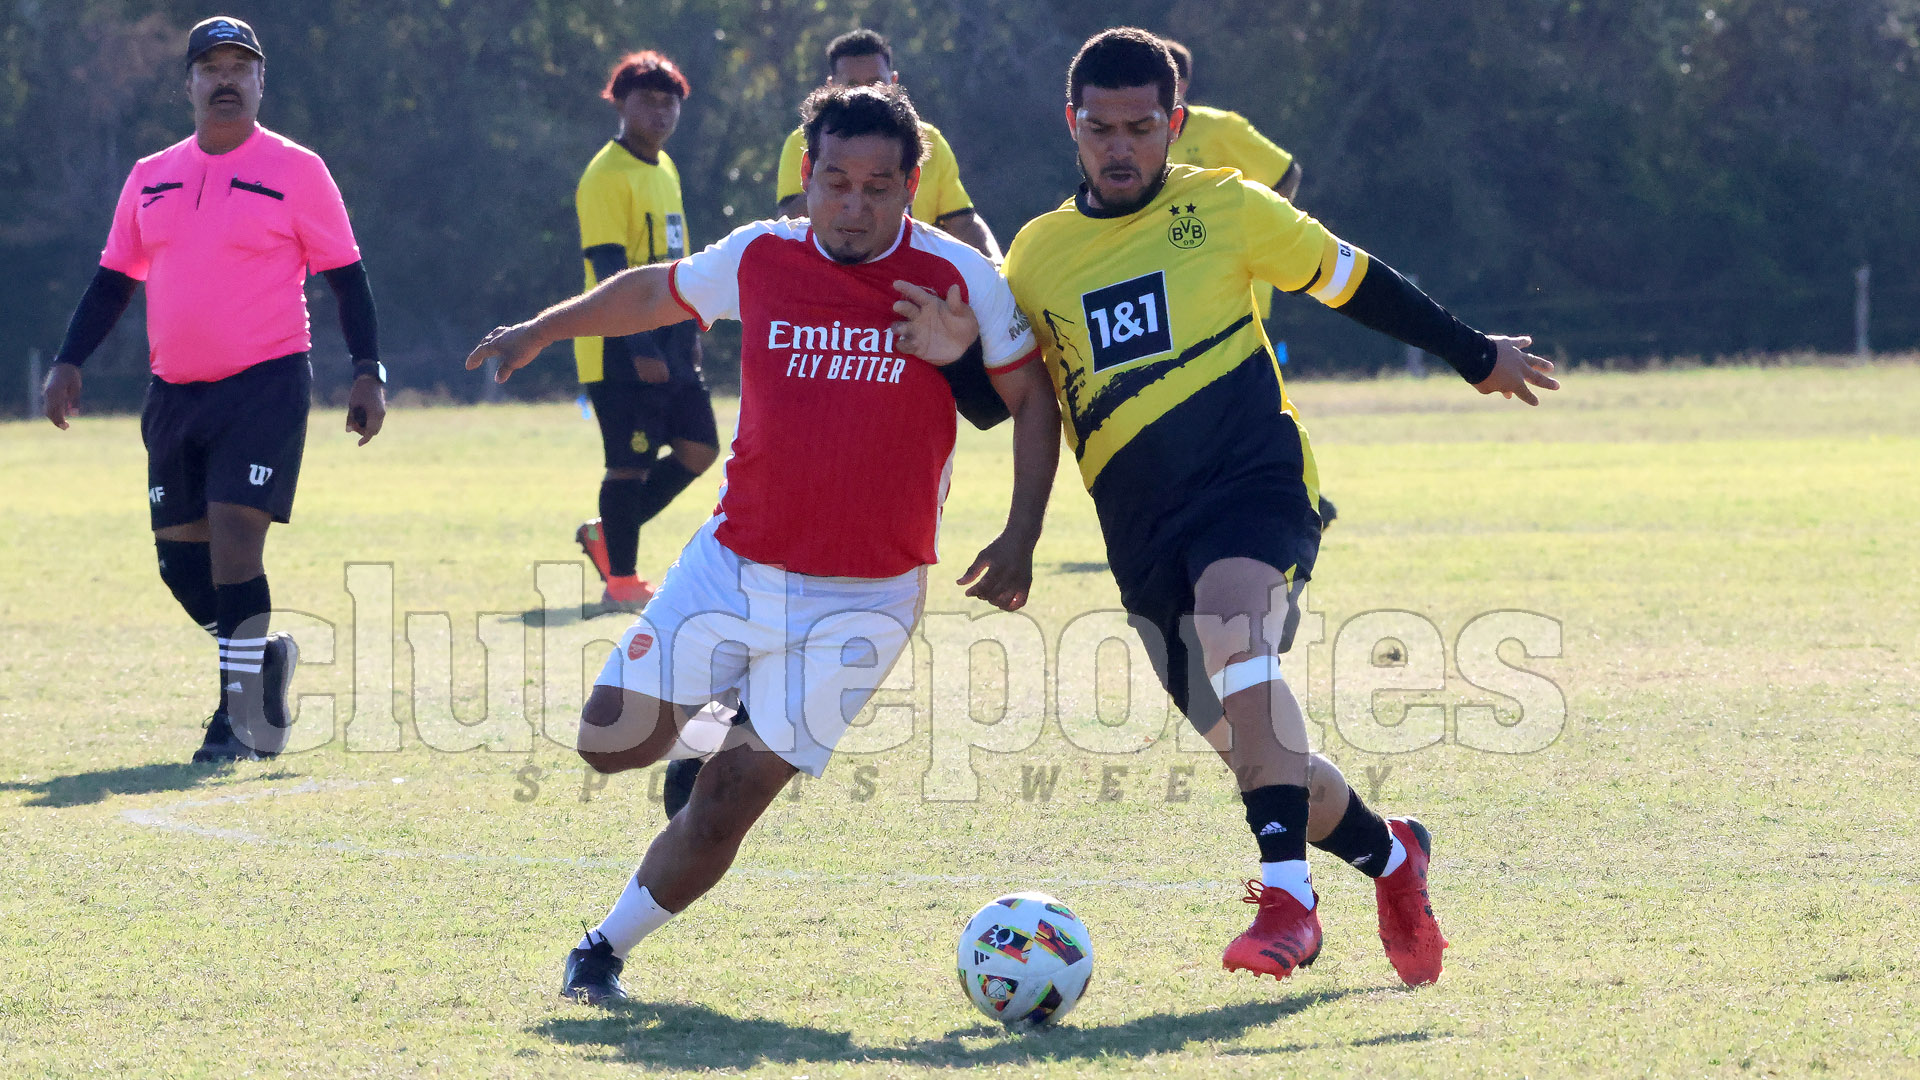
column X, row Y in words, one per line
column 608, row 260
column 1389, row 303
column 973, row 391
column 101, row 306
column 358, row 322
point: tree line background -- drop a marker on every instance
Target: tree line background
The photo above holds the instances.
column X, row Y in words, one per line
column 1620, row 178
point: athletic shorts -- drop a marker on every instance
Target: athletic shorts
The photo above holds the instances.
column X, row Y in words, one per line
column 804, row 654
column 638, row 419
column 234, row 440
column 1274, row 524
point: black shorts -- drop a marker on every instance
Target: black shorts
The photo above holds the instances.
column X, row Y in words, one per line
column 234, row 440
column 637, row 419
column 1272, row 523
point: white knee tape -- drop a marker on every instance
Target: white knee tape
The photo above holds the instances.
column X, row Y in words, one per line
column 1250, row 672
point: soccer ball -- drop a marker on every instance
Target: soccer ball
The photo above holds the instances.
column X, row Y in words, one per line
column 1025, row 960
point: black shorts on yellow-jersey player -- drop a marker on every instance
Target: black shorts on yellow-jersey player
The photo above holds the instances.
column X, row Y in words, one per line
column 1172, row 402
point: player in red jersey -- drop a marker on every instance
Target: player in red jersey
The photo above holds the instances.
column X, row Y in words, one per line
column 860, row 329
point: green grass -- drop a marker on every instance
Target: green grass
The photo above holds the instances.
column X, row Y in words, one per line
column 1708, row 871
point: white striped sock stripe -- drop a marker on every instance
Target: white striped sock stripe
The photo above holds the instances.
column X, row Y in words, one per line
column 253, row 642
column 250, row 669
column 250, row 657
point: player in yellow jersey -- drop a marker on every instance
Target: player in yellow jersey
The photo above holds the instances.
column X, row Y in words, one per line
column 646, row 388
column 1139, row 289
column 863, row 58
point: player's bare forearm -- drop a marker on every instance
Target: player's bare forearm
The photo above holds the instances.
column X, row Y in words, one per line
column 968, row 227
column 1036, row 445
column 627, row 303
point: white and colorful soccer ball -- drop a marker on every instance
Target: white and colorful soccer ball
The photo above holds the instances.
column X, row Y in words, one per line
column 1025, row 960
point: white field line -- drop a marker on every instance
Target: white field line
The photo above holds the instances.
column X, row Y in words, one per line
column 163, row 818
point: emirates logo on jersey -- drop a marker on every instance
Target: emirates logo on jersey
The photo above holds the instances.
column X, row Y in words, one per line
column 841, row 352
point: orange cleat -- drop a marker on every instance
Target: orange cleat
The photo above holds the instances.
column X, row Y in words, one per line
column 593, row 541
column 1285, row 935
column 627, row 593
column 1407, row 926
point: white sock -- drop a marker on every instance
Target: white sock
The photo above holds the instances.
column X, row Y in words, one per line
column 634, row 916
column 1292, row 876
column 1398, row 856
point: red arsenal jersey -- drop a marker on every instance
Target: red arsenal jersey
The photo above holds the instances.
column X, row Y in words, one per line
column 845, row 443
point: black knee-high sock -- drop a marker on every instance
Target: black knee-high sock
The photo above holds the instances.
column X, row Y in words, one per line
column 1277, row 814
column 666, row 479
column 243, row 639
column 620, row 523
column 1361, row 838
column 187, row 569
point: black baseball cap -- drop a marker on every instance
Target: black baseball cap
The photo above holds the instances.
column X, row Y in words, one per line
column 221, row 30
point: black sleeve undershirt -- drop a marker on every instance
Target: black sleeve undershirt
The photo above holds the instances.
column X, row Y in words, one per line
column 1386, row 302
column 359, row 323
column 973, row 392
column 608, row 260
column 101, row 306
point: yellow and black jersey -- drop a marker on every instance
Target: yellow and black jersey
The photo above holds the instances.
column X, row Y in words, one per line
column 1220, row 139
column 634, row 205
column 1167, row 384
column 939, row 195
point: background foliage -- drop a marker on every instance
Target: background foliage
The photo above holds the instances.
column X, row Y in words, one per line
column 1618, row 177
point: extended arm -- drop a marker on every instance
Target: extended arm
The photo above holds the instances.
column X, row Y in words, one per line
column 1008, row 561
column 630, row 302
column 101, row 306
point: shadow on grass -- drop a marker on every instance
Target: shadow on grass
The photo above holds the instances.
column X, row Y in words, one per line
column 538, row 618
column 1083, row 567
column 676, row 1035
column 82, row 789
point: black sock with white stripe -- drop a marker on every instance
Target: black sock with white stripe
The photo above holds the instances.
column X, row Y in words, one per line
column 1277, row 814
column 242, row 630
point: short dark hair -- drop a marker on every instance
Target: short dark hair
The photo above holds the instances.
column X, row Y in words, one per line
column 1182, row 58
column 850, row 111
column 861, row 42
column 1123, row 57
column 647, row 70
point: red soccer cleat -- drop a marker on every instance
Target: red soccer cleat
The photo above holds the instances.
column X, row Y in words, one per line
column 1285, row 935
column 627, row 593
column 1407, row 926
column 593, row 541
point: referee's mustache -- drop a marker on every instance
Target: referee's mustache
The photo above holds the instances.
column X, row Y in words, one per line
column 225, row 92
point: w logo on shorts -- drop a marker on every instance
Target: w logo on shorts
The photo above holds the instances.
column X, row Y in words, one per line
column 258, row 474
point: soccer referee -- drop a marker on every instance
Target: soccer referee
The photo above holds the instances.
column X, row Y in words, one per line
column 224, row 228
column 864, row 58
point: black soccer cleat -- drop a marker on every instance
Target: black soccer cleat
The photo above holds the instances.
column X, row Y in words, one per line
column 593, row 975
column 221, row 745
column 282, row 655
column 679, row 784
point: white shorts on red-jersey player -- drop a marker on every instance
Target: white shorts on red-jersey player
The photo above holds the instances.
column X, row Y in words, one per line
column 804, row 653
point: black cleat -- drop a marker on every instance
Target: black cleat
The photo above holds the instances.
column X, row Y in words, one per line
column 1327, row 512
column 593, row 975
column 276, row 677
column 679, row 784
column 220, row 743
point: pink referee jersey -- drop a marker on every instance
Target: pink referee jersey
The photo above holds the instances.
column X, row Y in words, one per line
column 845, row 443
column 225, row 243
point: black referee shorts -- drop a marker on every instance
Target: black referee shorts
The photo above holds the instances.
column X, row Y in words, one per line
column 637, row 419
column 234, row 440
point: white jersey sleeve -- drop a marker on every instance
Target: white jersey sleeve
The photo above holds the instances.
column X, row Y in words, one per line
column 1005, row 337
column 707, row 282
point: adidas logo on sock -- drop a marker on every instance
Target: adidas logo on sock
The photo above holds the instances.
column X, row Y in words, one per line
column 234, row 688
column 1362, row 859
column 1272, row 828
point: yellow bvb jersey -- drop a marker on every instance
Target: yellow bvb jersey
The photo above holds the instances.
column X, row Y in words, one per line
column 626, row 201
column 1167, row 384
column 1220, row 139
column 940, row 192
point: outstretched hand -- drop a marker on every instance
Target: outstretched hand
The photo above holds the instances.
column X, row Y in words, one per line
column 935, row 330
column 1514, row 368
column 514, row 346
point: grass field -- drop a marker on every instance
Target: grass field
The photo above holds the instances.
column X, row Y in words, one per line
column 1707, row 870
